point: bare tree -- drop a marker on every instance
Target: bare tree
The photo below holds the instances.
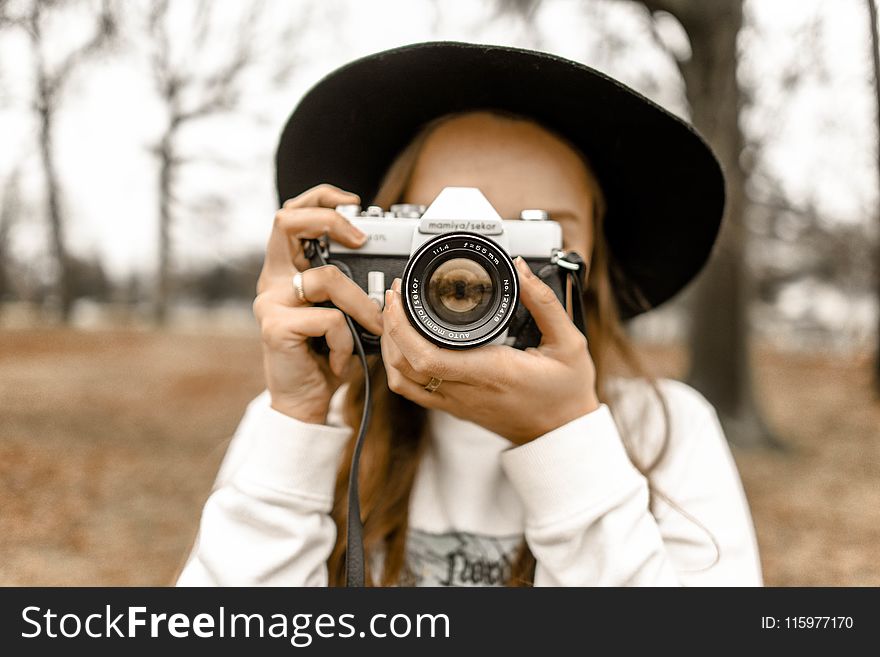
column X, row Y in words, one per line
column 721, row 367
column 51, row 77
column 875, row 58
column 191, row 90
column 10, row 209
column 7, row 18
column 9, row 201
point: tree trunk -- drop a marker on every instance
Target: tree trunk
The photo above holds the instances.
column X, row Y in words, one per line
column 163, row 284
column 875, row 58
column 719, row 331
column 63, row 283
column 9, row 211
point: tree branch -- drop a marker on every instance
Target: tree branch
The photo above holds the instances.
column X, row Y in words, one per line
column 525, row 9
column 104, row 32
column 9, row 208
column 5, row 16
column 219, row 90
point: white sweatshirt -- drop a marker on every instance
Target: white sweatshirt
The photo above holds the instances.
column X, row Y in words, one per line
column 573, row 492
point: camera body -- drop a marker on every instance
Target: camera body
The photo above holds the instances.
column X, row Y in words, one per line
column 455, row 260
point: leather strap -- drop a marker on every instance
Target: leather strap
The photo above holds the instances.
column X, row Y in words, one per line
column 316, row 252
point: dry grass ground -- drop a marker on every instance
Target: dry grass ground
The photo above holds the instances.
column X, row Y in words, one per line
column 109, row 442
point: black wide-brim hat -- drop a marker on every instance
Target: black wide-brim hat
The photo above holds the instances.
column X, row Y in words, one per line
column 663, row 186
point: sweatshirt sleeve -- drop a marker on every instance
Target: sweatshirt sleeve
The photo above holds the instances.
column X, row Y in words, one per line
column 588, row 520
column 267, row 519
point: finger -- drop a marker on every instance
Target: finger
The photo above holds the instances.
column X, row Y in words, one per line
column 289, row 327
column 540, row 300
column 293, row 224
column 300, row 262
column 415, row 392
column 309, row 223
column 319, row 284
column 328, row 283
column 280, row 254
column 323, row 195
column 393, row 358
column 425, row 358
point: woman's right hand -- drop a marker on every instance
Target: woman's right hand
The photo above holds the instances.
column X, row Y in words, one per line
column 300, row 381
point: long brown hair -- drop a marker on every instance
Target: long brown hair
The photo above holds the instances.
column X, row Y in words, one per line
column 394, row 444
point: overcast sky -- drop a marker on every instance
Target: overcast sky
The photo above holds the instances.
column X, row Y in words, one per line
column 819, row 141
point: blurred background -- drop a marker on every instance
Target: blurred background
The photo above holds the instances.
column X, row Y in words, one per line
column 136, row 195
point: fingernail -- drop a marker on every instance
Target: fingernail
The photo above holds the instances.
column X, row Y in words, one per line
column 387, row 298
column 523, row 267
column 395, row 285
column 361, row 235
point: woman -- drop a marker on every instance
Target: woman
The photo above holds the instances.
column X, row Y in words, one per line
column 545, row 466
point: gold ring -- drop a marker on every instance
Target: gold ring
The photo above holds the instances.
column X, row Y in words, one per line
column 433, row 384
column 298, row 287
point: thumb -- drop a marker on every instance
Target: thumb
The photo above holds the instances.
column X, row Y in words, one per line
column 541, row 301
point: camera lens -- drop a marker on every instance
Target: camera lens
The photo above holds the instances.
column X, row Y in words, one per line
column 460, row 290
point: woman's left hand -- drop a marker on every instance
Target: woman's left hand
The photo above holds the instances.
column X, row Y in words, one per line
column 518, row 394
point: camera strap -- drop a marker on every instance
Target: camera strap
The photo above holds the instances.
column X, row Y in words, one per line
column 317, row 252
column 572, row 267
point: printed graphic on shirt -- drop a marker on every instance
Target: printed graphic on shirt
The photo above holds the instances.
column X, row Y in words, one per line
column 458, row 559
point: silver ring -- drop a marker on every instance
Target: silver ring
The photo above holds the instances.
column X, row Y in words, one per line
column 298, row 287
column 433, row 384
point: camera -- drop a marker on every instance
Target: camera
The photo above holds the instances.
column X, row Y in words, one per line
column 459, row 285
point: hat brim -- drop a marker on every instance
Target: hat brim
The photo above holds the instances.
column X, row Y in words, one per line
column 663, row 186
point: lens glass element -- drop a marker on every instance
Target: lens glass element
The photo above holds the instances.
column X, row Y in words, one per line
column 460, row 291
